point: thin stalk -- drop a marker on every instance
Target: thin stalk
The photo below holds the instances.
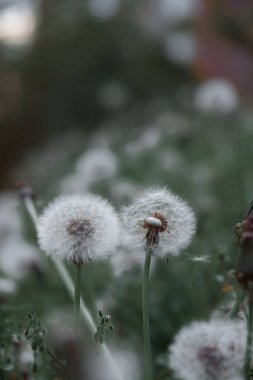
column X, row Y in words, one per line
column 237, row 305
column 249, row 337
column 69, row 285
column 57, row 360
column 77, row 296
column 146, row 328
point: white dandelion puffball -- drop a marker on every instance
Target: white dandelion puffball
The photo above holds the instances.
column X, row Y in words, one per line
column 212, row 350
column 160, row 219
column 216, row 95
column 78, row 228
column 18, row 259
column 97, row 164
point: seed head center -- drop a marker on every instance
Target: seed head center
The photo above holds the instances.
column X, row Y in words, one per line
column 80, row 228
column 154, row 224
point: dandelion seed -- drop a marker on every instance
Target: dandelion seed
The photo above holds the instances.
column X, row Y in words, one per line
column 78, row 229
column 160, row 219
column 212, row 350
column 200, row 259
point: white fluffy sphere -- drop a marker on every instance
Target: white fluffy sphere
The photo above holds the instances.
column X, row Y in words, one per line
column 216, row 95
column 212, row 350
column 78, row 228
column 178, row 222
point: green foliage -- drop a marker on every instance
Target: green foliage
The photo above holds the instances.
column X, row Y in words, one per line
column 35, row 333
column 103, row 327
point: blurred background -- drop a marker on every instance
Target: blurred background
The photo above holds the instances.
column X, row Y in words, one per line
column 112, row 96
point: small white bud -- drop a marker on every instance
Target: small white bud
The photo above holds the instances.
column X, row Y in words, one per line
column 155, row 222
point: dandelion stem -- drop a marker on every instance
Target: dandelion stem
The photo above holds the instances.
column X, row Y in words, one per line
column 56, row 360
column 77, row 297
column 249, row 338
column 146, row 327
column 237, row 305
column 69, row 285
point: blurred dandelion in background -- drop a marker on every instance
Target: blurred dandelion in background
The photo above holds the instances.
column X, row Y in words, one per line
column 216, row 95
column 209, row 350
column 18, row 21
column 103, row 8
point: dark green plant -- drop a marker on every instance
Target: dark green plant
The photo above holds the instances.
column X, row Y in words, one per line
column 102, row 328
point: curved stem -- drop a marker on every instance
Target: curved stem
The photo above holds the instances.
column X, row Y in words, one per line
column 77, row 296
column 249, row 338
column 237, row 305
column 146, row 328
column 56, row 360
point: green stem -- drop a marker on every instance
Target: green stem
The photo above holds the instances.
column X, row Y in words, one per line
column 146, row 329
column 237, row 305
column 77, row 295
column 249, row 337
column 56, row 360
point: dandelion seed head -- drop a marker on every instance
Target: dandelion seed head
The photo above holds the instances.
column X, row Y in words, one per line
column 209, row 351
column 97, row 164
column 160, row 218
column 78, row 228
column 216, row 95
column 18, row 258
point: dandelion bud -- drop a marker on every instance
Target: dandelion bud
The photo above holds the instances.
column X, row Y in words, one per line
column 78, row 229
column 25, row 191
column 244, row 270
column 159, row 220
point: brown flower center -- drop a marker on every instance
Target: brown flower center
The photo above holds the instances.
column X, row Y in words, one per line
column 80, row 228
column 155, row 224
column 212, row 360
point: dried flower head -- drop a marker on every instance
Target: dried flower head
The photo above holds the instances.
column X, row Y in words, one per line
column 78, row 228
column 244, row 270
column 160, row 220
column 209, row 351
